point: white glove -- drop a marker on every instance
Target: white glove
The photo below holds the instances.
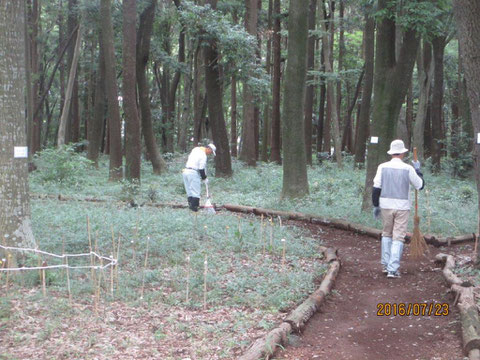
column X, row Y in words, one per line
column 416, row 165
column 205, row 181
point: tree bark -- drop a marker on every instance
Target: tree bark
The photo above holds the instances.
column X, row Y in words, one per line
column 267, row 112
column 15, row 225
column 248, row 148
column 233, row 124
column 71, row 133
column 438, row 128
column 364, row 118
column 132, row 121
column 95, row 127
column 223, row 162
column 388, row 99
column 143, row 52
column 295, row 181
column 275, row 154
column 425, row 72
column 468, row 32
column 310, row 87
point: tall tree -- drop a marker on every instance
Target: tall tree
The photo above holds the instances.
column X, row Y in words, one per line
column 310, row 86
column 275, row 147
column 132, row 122
column 111, row 89
column 143, row 53
column 223, row 161
column 425, row 72
column 15, row 225
column 364, row 117
column 388, row 99
column 468, row 32
column 295, row 180
column 267, row 112
column 248, row 149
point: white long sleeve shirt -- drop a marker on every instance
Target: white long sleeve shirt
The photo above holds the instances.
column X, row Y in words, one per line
column 197, row 160
column 394, row 177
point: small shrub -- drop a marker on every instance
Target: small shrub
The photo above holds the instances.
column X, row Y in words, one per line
column 63, row 165
column 466, row 194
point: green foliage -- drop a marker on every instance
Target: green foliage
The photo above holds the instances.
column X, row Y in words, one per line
column 63, row 165
column 459, row 161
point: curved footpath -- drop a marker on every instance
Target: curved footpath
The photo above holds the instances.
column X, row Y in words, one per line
column 347, row 325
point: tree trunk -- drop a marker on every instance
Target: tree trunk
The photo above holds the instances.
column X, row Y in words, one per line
column 347, row 132
column 388, row 99
column 468, row 32
column 223, row 162
column 114, row 120
column 143, row 52
column 15, row 225
column 95, row 127
column 199, row 97
column 364, row 118
column 64, row 118
column 73, row 121
column 248, row 148
column 341, row 55
column 277, row 48
column 425, row 72
column 233, row 125
column 267, row 112
column 295, row 181
column 331, row 94
column 438, row 43
column 310, row 87
column 132, row 122
column 185, row 114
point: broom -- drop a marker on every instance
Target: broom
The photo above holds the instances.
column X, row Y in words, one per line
column 208, row 205
column 418, row 246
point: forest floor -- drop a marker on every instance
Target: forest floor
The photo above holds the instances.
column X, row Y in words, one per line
column 348, row 326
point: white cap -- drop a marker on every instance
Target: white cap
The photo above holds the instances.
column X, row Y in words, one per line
column 213, row 147
column 397, row 147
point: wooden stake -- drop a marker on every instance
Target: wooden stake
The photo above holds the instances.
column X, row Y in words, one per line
column 44, row 281
column 145, row 268
column 118, row 260
column 8, row 273
column 92, row 261
column 188, row 280
column 205, row 272
column 271, row 234
column 111, row 260
column 67, row 271
column 475, row 249
column 284, row 250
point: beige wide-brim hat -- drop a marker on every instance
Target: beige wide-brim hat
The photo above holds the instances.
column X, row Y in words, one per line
column 397, row 147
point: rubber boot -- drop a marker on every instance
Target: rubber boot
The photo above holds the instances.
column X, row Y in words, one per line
column 386, row 247
column 195, row 203
column 190, row 202
column 395, row 257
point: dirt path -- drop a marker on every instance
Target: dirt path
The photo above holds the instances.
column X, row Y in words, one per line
column 347, row 326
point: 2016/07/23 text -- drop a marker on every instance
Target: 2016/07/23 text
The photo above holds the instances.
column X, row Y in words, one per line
column 415, row 309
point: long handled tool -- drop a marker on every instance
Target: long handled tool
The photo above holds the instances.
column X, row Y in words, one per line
column 208, row 205
column 418, row 246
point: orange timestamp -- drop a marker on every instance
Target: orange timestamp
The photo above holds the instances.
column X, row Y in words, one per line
column 413, row 309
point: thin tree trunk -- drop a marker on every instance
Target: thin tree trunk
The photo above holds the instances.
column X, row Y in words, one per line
column 114, row 120
column 132, row 121
column 425, row 72
column 248, row 148
column 310, row 87
column 275, row 154
column 61, row 138
column 347, row 132
column 267, row 111
column 233, row 125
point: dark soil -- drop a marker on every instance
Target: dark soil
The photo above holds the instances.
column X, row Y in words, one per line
column 348, row 327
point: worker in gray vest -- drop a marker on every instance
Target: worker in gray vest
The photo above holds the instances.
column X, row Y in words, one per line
column 194, row 172
column 391, row 201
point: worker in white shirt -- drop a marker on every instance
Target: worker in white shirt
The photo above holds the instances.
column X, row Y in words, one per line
column 194, row 172
column 391, row 201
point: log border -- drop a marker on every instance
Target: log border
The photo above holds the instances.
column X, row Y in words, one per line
column 465, row 301
column 265, row 347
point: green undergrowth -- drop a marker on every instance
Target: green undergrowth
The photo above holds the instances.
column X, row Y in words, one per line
column 245, row 264
column 447, row 207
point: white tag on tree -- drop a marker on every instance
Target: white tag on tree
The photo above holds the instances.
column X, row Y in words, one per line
column 20, row 152
column 374, row 140
column 478, row 138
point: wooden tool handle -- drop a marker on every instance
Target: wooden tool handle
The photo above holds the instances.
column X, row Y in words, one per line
column 415, row 154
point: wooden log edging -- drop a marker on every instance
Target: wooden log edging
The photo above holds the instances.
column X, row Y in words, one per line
column 314, row 219
column 266, row 346
column 466, row 304
column 342, row 224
